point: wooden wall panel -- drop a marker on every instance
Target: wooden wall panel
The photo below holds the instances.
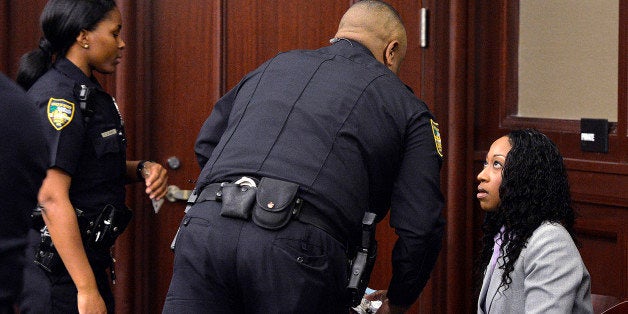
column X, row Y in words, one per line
column 21, row 33
column 4, row 35
column 603, row 234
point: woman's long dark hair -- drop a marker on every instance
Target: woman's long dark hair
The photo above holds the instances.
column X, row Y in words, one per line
column 61, row 23
column 534, row 189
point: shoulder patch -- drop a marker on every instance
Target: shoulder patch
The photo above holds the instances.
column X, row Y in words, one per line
column 437, row 141
column 60, row 112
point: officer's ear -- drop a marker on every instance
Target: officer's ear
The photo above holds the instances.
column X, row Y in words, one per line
column 83, row 39
column 392, row 55
column 391, row 51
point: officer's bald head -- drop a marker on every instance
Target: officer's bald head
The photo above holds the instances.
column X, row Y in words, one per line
column 376, row 25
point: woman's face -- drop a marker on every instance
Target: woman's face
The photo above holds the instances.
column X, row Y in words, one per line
column 105, row 44
column 491, row 176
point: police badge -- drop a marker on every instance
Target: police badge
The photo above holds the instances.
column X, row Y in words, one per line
column 60, row 113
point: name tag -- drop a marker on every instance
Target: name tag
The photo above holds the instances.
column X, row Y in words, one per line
column 109, row 133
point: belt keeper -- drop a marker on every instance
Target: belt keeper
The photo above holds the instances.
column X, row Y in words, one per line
column 296, row 210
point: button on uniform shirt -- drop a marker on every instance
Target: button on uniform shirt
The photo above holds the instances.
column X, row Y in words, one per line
column 351, row 134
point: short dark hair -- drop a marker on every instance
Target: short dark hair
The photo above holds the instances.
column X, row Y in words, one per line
column 379, row 3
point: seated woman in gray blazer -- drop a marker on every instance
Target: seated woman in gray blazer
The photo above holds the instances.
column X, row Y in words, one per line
column 529, row 257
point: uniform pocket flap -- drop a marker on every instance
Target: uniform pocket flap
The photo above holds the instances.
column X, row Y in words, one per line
column 275, row 195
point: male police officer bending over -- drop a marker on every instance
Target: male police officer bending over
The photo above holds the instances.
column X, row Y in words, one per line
column 320, row 137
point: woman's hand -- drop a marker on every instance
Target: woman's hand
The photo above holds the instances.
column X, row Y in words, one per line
column 90, row 302
column 156, row 180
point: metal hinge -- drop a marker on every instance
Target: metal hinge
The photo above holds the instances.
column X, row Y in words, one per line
column 423, row 28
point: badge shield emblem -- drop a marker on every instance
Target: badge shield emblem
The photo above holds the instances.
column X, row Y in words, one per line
column 60, row 113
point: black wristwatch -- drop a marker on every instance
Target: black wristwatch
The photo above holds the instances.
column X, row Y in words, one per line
column 140, row 169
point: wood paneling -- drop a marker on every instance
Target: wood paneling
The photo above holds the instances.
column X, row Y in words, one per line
column 21, row 33
column 602, row 232
column 256, row 30
column 4, row 35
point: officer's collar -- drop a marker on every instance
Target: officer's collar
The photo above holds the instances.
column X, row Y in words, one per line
column 69, row 69
column 349, row 48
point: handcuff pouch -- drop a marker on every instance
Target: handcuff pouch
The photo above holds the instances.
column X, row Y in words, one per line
column 276, row 203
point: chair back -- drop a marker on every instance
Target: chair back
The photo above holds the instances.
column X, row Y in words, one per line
column 608, row 304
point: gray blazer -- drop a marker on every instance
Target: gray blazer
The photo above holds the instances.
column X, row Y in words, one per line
column 549, row 277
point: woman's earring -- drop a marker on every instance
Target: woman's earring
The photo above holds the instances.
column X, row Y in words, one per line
column 86, row 46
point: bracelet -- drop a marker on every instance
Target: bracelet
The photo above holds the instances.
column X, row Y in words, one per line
column 140, row 168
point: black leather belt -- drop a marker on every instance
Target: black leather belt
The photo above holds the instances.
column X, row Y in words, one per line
column 307, row 214
column 211, row 192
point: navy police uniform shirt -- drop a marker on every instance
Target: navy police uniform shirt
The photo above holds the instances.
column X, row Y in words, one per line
column 24, row 156
column 351, row 134
column 88, row 144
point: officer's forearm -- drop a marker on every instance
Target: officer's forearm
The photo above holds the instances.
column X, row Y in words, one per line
column 64, row 231
column 62, row 224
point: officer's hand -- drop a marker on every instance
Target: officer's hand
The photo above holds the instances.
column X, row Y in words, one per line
column 380, row 295
column 156, row 179
column 90, row 303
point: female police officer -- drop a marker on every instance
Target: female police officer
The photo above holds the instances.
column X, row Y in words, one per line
column 88, row 166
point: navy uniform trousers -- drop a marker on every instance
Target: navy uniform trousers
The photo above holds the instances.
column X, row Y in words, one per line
column 227, row 265
column 44, row 291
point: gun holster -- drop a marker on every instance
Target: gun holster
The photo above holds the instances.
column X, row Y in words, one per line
column 102, row 232
column 361, row 266
column 98, row 233
column 46, row 255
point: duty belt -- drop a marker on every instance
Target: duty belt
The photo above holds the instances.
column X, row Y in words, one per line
column 307, row 213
